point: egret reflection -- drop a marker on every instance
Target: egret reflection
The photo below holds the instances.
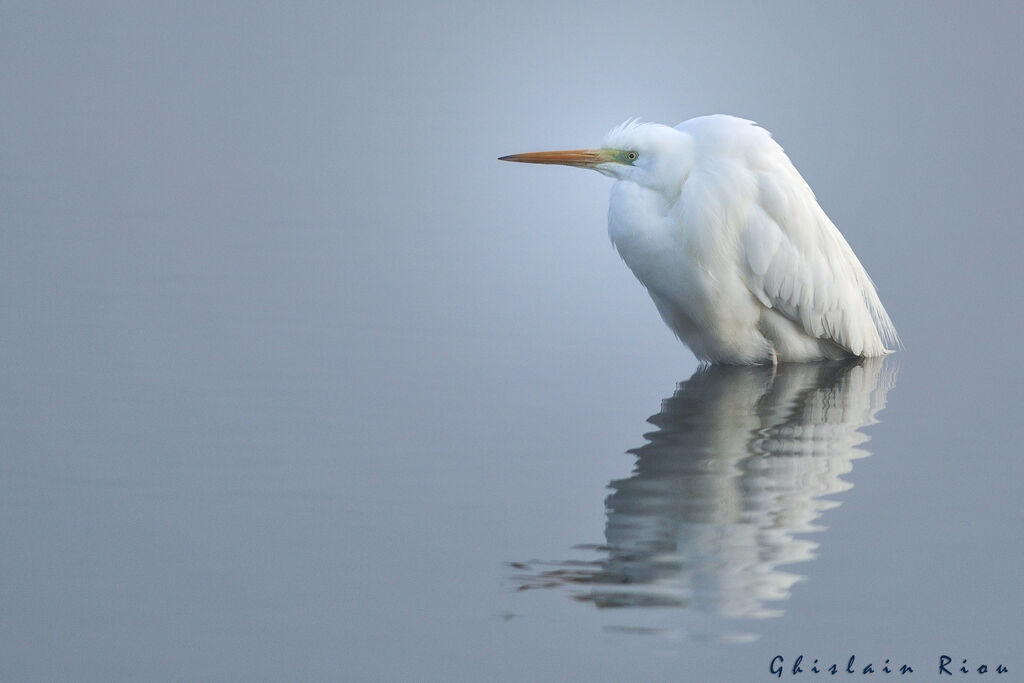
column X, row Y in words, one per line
column 738, row 471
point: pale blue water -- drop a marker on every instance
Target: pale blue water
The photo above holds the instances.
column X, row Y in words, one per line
column 384, row 523
column 741, row 467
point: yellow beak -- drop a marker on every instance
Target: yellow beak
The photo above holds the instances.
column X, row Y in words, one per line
column 584, row 158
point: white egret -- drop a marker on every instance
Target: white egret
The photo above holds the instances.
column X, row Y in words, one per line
column 740, row 260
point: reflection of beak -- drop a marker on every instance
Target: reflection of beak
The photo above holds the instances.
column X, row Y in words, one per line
column 583, row 158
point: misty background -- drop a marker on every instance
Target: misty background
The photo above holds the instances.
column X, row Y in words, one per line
column 292, row 364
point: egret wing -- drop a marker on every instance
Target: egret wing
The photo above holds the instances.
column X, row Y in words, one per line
column 795, row 261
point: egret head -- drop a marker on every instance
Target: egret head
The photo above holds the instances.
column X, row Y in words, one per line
column 649, row 154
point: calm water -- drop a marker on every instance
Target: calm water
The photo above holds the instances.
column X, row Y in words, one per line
column 405, row 521
column 742, row 465
column 297, row 382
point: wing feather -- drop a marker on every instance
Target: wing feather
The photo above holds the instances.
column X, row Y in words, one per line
column 797, row 262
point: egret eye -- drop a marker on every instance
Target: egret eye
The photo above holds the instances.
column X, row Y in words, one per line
column 631, row 156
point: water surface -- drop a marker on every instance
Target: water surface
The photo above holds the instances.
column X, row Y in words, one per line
column 742, row 465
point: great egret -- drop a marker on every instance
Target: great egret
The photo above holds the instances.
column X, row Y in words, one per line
column 740, row 260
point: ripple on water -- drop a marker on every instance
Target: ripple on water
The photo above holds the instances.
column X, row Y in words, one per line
column 739, row 468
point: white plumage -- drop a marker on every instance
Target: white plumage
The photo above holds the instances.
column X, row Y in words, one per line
column 739, row 258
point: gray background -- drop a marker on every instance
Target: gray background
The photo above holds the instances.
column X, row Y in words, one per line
column 292, row 366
